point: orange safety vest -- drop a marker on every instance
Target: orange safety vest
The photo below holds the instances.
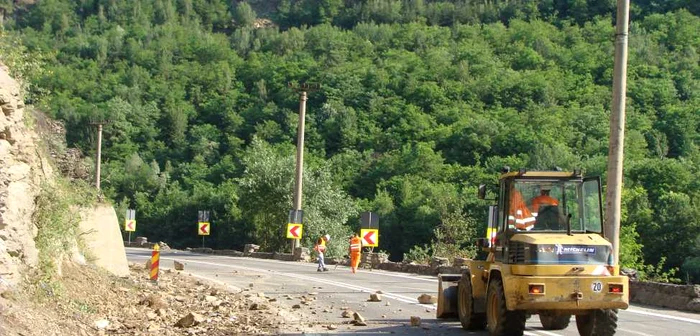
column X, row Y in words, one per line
column 321, row 247
column 518, row 213
column 542, row 200
column 355, row 244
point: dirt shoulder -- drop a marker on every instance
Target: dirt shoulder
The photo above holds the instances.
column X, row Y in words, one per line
column 91, row 302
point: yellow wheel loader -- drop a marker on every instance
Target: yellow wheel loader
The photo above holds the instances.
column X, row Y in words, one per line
column 547, row 256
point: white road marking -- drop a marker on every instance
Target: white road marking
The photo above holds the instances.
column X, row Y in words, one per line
column 633, row 332
column 677, row 318
column 314, row 265
column 532, row 332
column 549, row 333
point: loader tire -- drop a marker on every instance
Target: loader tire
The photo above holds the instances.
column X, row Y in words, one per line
column 465, row 306
column 500, row 320
column 551, row 321
column 600, row 322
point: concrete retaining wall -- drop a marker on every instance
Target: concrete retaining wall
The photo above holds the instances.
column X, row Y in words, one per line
column 680, row 297
column 99, row 228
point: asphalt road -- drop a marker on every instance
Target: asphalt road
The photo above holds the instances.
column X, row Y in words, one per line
column 340, row 288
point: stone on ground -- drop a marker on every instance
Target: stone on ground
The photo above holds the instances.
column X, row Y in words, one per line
column 415, row 321
column 427, row 299
column 191, row 319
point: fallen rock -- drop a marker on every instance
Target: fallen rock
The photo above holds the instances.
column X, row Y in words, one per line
column 415, row 321
column 427, row 299
column 258, row 306
column 387, row 303
column 101, row 324
column 359, row 323
column 250, row 248
column 178, row 265
column 210, row 298
column 332, row 327
column 191, row 319
column 375, row 297
column 153, row 327
column 347, row 313
column 358, row 317
column 132, row 323
column 296, row 306
column 153, row 301
column 151, row 316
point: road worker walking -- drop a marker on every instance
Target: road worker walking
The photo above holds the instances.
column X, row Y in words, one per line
column 355, row 252
column 320, row 249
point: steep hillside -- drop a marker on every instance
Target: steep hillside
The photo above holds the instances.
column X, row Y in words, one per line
column 23, row 172
column 420, row 102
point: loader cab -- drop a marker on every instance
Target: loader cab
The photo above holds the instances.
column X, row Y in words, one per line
column 543, row 202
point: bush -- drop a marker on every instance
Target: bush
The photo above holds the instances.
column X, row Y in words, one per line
column 418, row 254
column 691, row 269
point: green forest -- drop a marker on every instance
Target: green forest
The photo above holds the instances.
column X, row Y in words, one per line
column 420, row 101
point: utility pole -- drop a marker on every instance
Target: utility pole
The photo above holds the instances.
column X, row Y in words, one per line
column 613, row 197
column 98, row 156
column 302, row 89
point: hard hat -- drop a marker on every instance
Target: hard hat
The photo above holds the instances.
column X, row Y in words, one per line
column 328, row 237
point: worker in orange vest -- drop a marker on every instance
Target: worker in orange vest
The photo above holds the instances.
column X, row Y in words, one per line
column 355, row 252
column 518, row 213
column 543, row 199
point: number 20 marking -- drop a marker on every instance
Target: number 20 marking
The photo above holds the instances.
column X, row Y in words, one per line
column 597, row 286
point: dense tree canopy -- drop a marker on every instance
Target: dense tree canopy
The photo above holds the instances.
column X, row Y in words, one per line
column 420, row 102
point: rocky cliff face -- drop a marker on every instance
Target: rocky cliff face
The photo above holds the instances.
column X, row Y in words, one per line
column 21, row 173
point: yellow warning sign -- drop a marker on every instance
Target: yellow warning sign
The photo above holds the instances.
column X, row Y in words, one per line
column 130, row 225
column 204, row 229
column 370, row 237
column 294, row 230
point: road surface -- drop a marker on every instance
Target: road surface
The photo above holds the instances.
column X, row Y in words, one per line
column 339, row 288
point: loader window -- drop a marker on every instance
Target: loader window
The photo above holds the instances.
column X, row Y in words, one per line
column 592, row 207
column 551, row 203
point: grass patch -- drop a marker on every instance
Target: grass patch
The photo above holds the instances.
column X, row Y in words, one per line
column 57, row 217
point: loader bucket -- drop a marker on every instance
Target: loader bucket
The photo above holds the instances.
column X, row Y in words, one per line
column 447, row 295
